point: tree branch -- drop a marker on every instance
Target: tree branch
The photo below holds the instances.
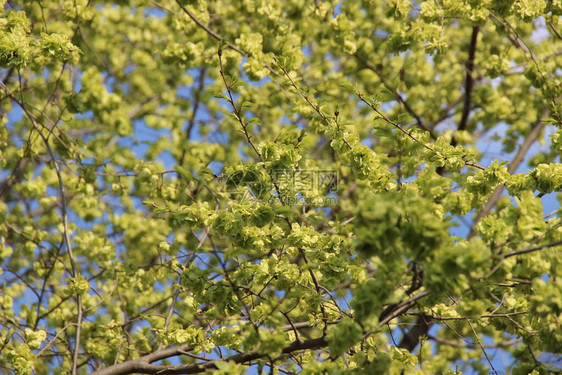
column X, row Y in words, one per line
column 455, row 344
column 142, row 365
column 196, row 103
column 515, row 163
column 533, row 249
column 412, row 337
column 64, row 213
column 400, row 308
column 209, row 31
column 468, row 82
column 396, row 94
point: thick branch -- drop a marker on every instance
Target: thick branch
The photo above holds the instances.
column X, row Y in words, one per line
column 8, row 75
column 468, row 82
column 468, row 85
column 143, row 366
column 134, row 365
column 388, row 314
column 412, row 337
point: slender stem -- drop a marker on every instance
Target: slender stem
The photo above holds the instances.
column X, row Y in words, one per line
column 237, row 111
column 316, row 107
column 533, row 249
column 208, row 30
column 397, row 95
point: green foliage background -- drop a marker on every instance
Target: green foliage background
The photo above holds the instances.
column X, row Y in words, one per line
column 127, row 128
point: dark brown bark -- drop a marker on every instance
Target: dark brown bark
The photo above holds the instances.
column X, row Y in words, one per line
column 468, row 82
column 412, row 337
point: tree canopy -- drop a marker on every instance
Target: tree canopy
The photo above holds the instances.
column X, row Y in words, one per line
column 280, row 186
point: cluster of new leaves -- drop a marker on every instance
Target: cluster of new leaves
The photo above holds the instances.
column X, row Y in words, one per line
column 286, row 186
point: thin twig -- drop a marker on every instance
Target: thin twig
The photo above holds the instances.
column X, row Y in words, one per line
column 481, row 347
column 397, row 95
column 208, row 30
column 196, row 103
column 533, row 249
column 306, row 98
column 237, row 111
